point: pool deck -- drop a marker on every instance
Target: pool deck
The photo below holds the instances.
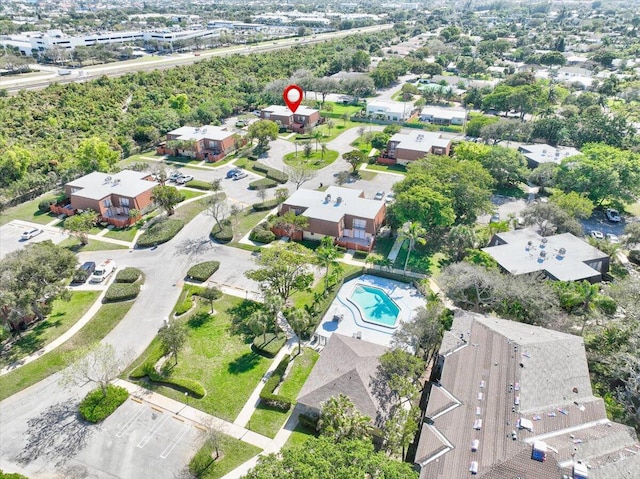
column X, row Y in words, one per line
column 404, row 295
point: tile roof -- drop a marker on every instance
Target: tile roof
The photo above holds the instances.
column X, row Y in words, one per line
column 97, row 185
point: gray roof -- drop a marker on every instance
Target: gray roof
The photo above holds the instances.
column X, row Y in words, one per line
column 206, row 132
column 420, row 140
column 284, row 111
column 445, row 113
column 97, row 185
column 346, row 366
column 323, row 205
column 546, row 371
column 517, row 257
column 543, row 153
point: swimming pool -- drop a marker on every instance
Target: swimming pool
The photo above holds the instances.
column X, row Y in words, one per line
column 375, row 306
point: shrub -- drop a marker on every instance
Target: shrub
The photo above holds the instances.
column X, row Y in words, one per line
column 224, row 234
column 45, row 205
column 264, row 182
column 262, row 233
column 271, row 400
column 121, row 292
column 271, row 173
column 194, row 388
column 202, row 271
column 184, row 307
column 11, row 475
column 269, row 345
column 634, row 256
column 95, row 407
column 199, row 185
column 267, row 205
column 159, row 232
column 79, row 276
column 308, row 421
column 128, row 275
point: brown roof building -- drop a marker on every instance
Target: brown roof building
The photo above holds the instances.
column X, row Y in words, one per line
column 515, row 401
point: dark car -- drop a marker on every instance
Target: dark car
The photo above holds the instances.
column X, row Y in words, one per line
column 83, row 272
column 233, row 172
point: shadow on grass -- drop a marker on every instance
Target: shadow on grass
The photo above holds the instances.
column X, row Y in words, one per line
column 239, row 315
column 29, row 341
column 199, row 319
column 244, row 363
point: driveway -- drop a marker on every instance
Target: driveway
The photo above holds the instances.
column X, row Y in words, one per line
column 598, row 221
column 11, row 233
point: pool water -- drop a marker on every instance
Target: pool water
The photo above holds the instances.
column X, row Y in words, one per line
column 375, row 305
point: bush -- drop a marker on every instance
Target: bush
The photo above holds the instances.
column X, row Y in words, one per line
column 269, row 345
column 271, row 400
column 159, row 232
column 264, row 182
column 271, row 173
column 128, row 275
column 193, row 388
column 95, row 407
column 79, row 276
column 184, row 307
column 202, row 271
column 310, row 422
column 45, row 205
column 11, row 475
column 634, row 256
column 224, row 234
column 199, row 185
column 267, row 205
column 121, row 292
column 262, row 233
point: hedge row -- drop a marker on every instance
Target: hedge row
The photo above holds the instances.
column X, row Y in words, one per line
column 96, row 407
column 267, row 205
column 262, row 233
column 160, row 232
column 202, row 271
column 128, row 275
column 268, row 344
column 271, row 400
column 262, row 183
column 184, row 307
column 224, row 234
column 121, row 292
column 271, row 173
column 147, row 369
column 199, row 185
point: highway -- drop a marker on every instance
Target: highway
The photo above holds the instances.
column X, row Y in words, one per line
column 148, row 63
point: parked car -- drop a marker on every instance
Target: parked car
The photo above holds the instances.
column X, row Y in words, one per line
column 599, row 235
column 184, row 179
column 390, row 198
column 379, row 195
column 239, row 175
column 174, row 176
column 31, row 233
column 495, row 218
column 233, row 172
column 103, row 271
column 241, row 124
column 611, row 238
column 612, row 215
column 83, row 272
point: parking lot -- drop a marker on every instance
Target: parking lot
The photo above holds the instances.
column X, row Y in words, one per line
column 11, row 236
column 139, row 440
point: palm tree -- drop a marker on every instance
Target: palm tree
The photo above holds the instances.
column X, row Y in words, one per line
column 258, row 323
column 323, row 150
column 414, row 232
column 460, row 238
column 317, row 135
column 326, row 256
column 299, row 319
column 274, row 304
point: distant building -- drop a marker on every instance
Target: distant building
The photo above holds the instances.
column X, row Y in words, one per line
column 562, row 257
column 542, row 153
column 390, row 110
column 341, row 213
column 303, row 119
column 112, row 196
column 210, row 143
column 510, row 400
column 443, row 116
column 403, row 148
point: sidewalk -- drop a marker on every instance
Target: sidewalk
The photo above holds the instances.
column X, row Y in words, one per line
column 395, row 250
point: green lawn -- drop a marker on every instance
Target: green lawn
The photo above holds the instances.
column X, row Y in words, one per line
column 633, row 208
column 188, row 194
column 383, row 246
column 423, row 259
column 107, row 317
column 388, row 168
column 183, row 160
column 339, row 109
column 247, row 219
column 267, row 421
column 366, row 175
column 74, row 245
column 64, row 314
column 362, row 145
column 299, row 436
column 316, row 161
column 234, row 453
column 222, row 362
column 519, row 191
column 189, row 211
column 28, row 211
column 126, row 234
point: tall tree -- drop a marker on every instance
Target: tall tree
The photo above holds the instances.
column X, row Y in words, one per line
column 326, row 255
column 80, row 224
column 94, row 154
column 173, row 335
column 414, row 233
column 341, row 420
column 355, row 158
column 461, row 238
column 167, row 197
column 300, row 174
column 422, row 334
column 263, row 131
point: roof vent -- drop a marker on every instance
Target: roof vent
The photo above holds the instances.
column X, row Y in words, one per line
column 116, row 181
column 562, row 251
column 107, row 179
column 338, row 200
column 197, row 129
column 543, row 242
column 543, row 254
column 327, row 198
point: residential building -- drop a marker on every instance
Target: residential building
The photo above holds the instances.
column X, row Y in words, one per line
column 341, row 213
column 112, row 196
column 346, row 366
column 562, row 257
column 389, row 110
column 538, row 154
column 208, row 142
column 443, row 116
column 512, row 400
column 302, row 120
column 403, row 148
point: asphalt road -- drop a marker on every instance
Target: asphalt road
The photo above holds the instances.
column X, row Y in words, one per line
column 11, row 237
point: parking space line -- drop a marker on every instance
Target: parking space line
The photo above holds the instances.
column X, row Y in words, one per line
column 176, row 440
column 131, row 420
column 135, row 399
column 145, row 440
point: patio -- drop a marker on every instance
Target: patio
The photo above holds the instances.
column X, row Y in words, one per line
column 344, row 317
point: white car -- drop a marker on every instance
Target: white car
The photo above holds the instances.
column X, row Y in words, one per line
column 174, row 176
column 611, row 238
column 31, row 233
column 599, row 235
column 390, row 198
column 184, row 179
column 613, row 215
column 379, row 195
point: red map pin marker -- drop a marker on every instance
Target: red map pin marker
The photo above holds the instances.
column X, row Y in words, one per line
column 292, row 97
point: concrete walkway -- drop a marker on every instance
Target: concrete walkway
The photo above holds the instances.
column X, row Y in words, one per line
column 395, row 249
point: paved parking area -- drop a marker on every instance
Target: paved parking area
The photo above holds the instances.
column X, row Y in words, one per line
column 139, row 440
column 599, row 222
column 10, row 236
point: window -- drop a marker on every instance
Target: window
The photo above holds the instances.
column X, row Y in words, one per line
column 107, row 203
column 359, row 224
column 124, row 201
